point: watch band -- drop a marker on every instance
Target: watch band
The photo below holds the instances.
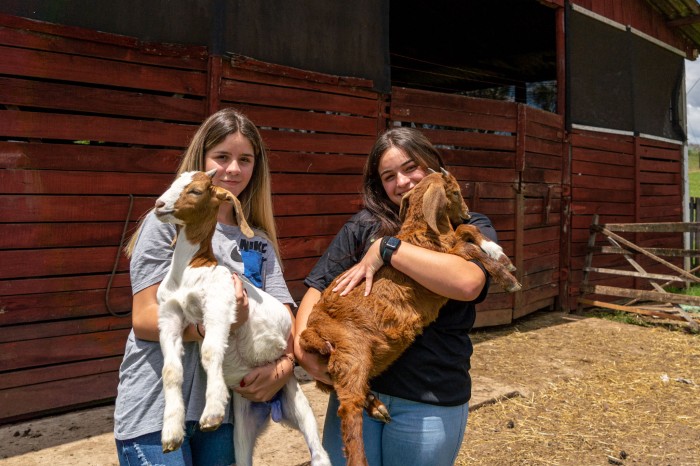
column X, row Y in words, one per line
column 388, row 247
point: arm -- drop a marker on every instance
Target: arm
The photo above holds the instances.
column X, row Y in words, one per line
column 145, row 313
column 262, row 383
column 145, row 317
column 311, row 362
column 464, row 281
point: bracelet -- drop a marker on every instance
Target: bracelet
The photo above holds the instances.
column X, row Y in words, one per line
column 290, row 358
column 196, row 326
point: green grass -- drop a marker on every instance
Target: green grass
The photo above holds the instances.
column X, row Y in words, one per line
column 694, row 171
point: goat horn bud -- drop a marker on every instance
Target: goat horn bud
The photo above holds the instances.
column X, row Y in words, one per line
column 431, row 171
column 211, row 173
column 444, row 172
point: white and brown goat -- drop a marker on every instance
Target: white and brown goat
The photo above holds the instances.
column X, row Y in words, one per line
column 362, row 335
column 197, row 289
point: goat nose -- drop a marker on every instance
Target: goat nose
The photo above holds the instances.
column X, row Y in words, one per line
column 159, row 204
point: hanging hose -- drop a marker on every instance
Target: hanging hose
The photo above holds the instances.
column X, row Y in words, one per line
column 116, row 262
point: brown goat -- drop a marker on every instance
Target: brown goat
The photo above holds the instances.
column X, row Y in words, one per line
column 362, row 335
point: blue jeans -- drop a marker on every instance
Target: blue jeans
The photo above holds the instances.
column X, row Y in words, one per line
column 198, row 449
column 419, row 434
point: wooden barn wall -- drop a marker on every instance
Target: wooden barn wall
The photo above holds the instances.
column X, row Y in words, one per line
column 623, row 179
column 638, row 14
column 508, row 158
column 88, row 124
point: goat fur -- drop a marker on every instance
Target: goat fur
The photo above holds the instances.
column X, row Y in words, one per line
column 197, row 289
column 362, row 335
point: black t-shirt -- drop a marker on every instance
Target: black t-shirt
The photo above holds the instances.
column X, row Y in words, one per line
column 435, row 368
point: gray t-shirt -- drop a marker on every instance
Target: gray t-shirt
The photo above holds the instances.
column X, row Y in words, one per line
column 139, row 405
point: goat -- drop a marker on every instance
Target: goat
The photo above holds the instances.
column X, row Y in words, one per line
column 362, row 335
column 197, row 289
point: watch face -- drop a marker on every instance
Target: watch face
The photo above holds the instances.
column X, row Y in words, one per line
column 393, row 243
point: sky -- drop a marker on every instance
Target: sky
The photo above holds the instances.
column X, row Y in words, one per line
column 692, row 90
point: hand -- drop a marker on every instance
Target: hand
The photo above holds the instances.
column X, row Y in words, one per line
column 363, row 270
column 241, row 302
column 315, row 365
column 262, row 383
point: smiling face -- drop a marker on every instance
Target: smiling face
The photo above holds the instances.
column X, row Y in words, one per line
column 234, row 161
column 399, row 173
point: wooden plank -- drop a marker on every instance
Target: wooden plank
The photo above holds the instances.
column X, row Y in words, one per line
column 279, row 77
column 331, row 163
column 594, row 168
column 88, row 157
column 477, row 158
column 302, row 204
column 630, row 273
column 55, row 284
column 40, row 35
column 32, row 353
column 401, row 97
column 602, row 195
column 304, row 247
column 659, row 166
column 36, row 331
column 493, row 317
column 455, row 118
column 61, row 235
column 496, row 175
column 89, row 70
column 597, row 181
column 315, row 142
column 618, row 144
column 33, row 308
column 464, row 139
column 260, row 94
column 65, row 371
column 310, row 121
column 658, row 227
column 41, row 399
column 60, row 261
column 310, row 225
column 31, row 93
column 18, row 124
column 598, row 156
column 75, row 182
column 55, row 209
column 240, row 62
column 315, row 184
column 641, row 294
column 631, row 309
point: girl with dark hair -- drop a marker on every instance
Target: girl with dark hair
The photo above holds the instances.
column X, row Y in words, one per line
column 427, row 389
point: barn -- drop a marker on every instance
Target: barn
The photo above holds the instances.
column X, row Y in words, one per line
column 548, row 112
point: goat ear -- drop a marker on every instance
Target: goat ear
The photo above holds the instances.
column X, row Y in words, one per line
column 222, row 194
column 434, row 202
column 403, row 208
column 240, row 218
column 211, row 173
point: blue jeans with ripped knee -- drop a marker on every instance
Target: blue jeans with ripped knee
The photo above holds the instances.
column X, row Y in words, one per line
column 198, row 449
column 419, row 434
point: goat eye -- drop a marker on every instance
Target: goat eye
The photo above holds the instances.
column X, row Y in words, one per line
column 196, row 192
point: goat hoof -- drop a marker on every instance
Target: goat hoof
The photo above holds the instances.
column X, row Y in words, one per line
column 172, row 445
column 210, row 423
column 513, row 288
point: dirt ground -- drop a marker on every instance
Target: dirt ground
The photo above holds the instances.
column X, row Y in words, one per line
column 551, row 389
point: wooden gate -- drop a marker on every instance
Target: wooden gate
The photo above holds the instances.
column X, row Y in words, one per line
column 509, row 158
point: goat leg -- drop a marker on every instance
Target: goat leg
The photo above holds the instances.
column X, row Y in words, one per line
column 170, row 325
column 496, row 269
column 213, row 348
column 376, row 409
column 296, row 410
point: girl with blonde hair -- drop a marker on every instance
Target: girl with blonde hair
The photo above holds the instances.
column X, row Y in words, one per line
column 230, row 143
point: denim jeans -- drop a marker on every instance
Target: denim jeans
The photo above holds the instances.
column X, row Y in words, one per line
column 198, row 449
column 419, row 434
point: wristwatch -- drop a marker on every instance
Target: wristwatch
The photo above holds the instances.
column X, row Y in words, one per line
column 388, row 247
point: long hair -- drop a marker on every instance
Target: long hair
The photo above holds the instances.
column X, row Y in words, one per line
column 256, row 198
column 417, row 147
